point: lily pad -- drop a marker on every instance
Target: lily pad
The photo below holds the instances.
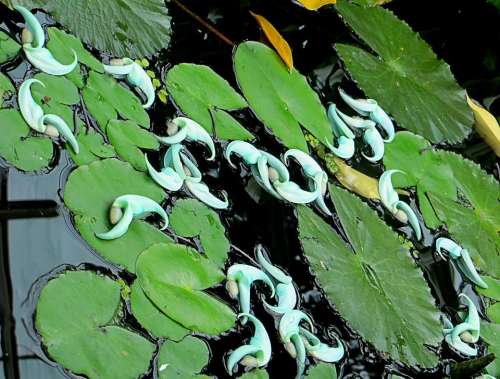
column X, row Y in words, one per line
column 205, row 96
column 403, row 318
column 451, row 190
column 128, row 139
column 184, row 359
column 18, row 147
column 75, row 317
column 151, row 318
column 57, row 88
column 90, row 191
column 101, row 23
column 92, row 148
column 6, row 88
column 322, row 371
column 404, row 75
column 191, row 218
column 99, row 108
column 175, row 277
column 490, row 333
column 9, row 47
column 255, row 374
column 281, row 99
column 493, row 290
column 123, row 100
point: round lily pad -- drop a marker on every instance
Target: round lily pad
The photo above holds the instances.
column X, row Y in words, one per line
column 184, row 359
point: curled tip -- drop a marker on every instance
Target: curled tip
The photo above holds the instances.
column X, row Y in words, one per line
column 43, row 60
column 388, row 194
column 412, row 218
column 363, row 106
column 310, row 167
column 467, row 268
column 243, row 149
column 290, row 322
column 339, row 127
column 202, row 192
column 287, row 299
column 33, row 25
column 291, row 192
column 167, row 178
column 30, row 110
column 272, row 270
column 173, row 139
column 454, row 249
column 345, row 149
column 62, row 127
column 356, row 122
column 196, row 133
column 373, row 139
column 383, row 119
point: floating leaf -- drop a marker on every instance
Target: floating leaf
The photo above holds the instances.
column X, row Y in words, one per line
column 92, row 148
column 490, row 333
column 282, row 100
column 322, row 371
column 403, row 318
column 18, row 148
column 128, row 139
column 109, row 92
column 202, row 95
column 451, row 190
column 9, row 48
column 101, row 109
column 75, row 317
column 151, row 318
column 184, row 359
column 6, row 88
column 90, row 191
column 486, row 126
column 174, row 278
column 405, row 77
column 191, row 218
column 493, row 312
column 313, row 5
column 276, row 39
column 255, row 374
column 124, row 28
column 57, row 88
column 493, row 290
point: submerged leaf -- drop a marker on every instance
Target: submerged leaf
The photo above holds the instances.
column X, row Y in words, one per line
column 184, row 359
column 276, row 39
column 486, row 125
column 75, row 317
column 403, row 318
column 405, row 76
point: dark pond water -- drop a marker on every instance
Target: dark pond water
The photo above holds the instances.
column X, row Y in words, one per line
column 465, row 34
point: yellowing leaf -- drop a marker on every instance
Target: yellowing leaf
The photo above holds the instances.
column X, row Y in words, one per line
column 313, row 5
column 486, row 125
column 276, row 39
column 356, row 181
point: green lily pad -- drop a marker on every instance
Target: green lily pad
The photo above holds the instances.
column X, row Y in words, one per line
column 18, row 147
column 281, row 99
column 191, row 218
column 451, row 190
column 90, row 191
column 6, row 88
column 123, row 100
column 255, row 374
column 151, row 318
column 322, row 371
column 175, row 277
column 184, row 359
column 490, row 333
column 493, row 312
column 9, row 48
column 128, row 139
column 92, row 148
column 202, row 95
column 124, row 28
column 403, row 318
column 75, row 317
column 493, row 290
column 99, row 108
column 57, row 88
column 404, row 76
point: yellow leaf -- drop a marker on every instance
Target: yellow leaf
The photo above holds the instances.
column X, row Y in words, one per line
column 276, row 39
column 486, row 125
column 313, row 5
column 356, row 181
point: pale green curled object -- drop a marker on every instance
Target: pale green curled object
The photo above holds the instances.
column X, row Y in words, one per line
column 460, row 257
column 467, row 332
column 399, row 209
column 48, row 124
column 345, row 136
column 258, row 351
column 319, row 350
column 127, row 207
column 289, row 331
column 183, row 128
column 33, row 39
column 370, row 108
column 134, row 74
column 371, row 135
column 240, row 278
column 167, row 177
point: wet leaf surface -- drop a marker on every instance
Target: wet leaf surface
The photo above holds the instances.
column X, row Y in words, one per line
column 490, row 333
column 322, row 371
column 6, row 88
column 9, row 48
column 57, row 88
column 92, row 148
column 184, row 359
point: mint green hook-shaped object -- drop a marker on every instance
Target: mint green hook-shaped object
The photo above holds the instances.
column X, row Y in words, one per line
column 460, row 257
column 183, row 128
column 370, row 108
column 48, row 124
column 258, row 351
column 240, row 278
column 134, row 74
column 33, row 40
column 167, row 177
column 319, row 350
column 398, row 208
column 127, row 207
column 345, row 136
column 459, row 336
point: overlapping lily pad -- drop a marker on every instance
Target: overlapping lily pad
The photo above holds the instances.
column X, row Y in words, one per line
column 404, row 75
column 206, row 97
column 322, row 371
column 175, row 278
column 90, row 191
column 191, row 218
column 6, row 88
column 9, row 48
column 281, row 99
column 18, row 147
column 255, row 374
column 76, row 318
column 379, row 273
column 92, row 148
column 57, row 88
column 184, row 359
column 454, row 191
